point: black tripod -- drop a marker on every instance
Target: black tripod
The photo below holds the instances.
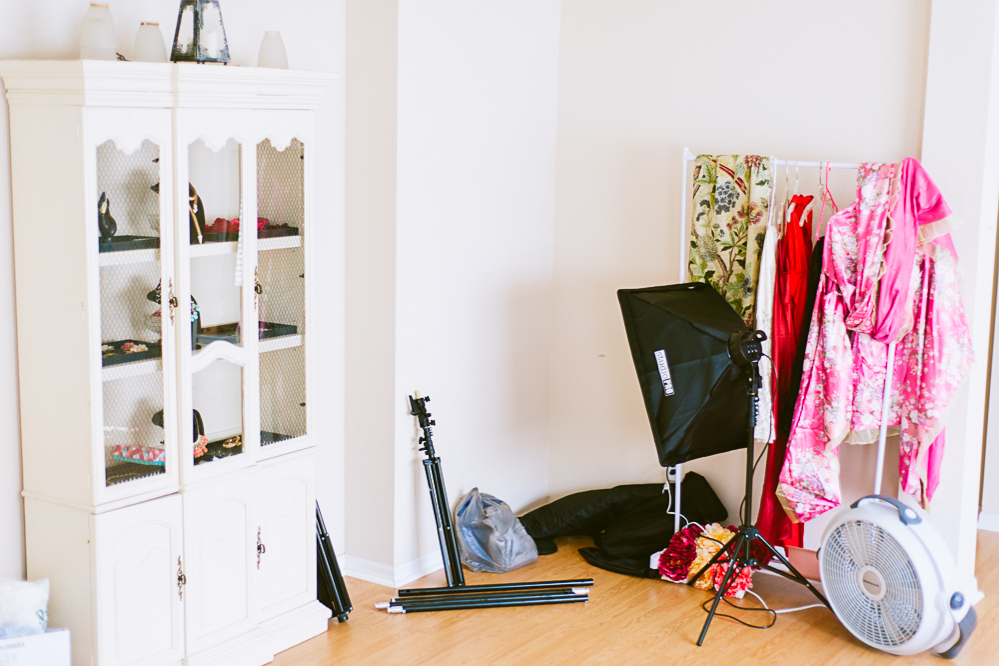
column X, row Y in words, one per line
column 746, row 351
column 457, row 595
column 332, row 591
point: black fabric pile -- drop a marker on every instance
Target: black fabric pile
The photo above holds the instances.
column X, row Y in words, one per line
column 627, row 523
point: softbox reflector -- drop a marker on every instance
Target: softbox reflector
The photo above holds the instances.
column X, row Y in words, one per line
column 694, row 394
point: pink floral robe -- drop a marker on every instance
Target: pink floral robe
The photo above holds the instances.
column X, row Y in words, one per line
column 845, row 357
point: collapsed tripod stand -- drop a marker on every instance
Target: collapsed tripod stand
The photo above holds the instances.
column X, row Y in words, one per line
column 457, row 595
column 745, row 351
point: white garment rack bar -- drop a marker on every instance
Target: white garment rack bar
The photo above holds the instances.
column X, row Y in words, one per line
column 684, row 227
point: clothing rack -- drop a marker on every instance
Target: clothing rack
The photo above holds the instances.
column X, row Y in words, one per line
column 684, row 228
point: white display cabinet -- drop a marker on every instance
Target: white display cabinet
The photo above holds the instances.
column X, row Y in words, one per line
column 164, row 358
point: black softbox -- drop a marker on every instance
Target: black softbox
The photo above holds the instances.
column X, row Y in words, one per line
column 694, row 393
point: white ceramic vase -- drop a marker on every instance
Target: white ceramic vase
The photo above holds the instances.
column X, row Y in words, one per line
column 272, row 51
column 149, row 44
column 97, row 38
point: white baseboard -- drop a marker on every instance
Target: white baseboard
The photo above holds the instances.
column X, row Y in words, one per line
column 388, row 575
column 988, row 521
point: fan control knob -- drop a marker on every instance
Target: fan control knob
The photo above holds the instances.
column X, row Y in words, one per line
column 956, row 601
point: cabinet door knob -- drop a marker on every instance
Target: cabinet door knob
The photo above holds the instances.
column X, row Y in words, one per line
column 257, row 288
column 261, row 548
column 181, row 579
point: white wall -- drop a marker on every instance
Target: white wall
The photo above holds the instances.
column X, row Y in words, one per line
column 961, row 149
column 313, row 32
column 450, row 206
column 638, row 81
column 477, row 113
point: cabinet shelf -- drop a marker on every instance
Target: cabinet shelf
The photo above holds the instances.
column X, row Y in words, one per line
column 229, row 247
column 284, row 342
column 123, row 257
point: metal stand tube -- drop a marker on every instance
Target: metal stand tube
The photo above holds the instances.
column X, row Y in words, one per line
column 497, row 588
column 460, row 605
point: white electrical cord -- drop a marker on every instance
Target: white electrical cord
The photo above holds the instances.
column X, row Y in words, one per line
column 669, row 505
column 781, row 610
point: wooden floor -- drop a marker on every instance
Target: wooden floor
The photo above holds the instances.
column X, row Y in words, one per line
column 627, row 621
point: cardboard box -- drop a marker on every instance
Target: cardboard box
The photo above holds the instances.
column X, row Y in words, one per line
column 48, row 649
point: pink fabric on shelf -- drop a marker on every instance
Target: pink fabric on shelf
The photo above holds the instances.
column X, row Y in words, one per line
column 844, row 375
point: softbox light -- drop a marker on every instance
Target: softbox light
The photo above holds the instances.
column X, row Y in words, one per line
column 694, row 393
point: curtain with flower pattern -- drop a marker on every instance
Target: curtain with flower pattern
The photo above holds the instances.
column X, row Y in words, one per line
column 728, row 225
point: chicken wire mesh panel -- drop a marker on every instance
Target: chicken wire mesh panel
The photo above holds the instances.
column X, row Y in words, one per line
column 133, row 443
column 282, row 395
column 131, row 326
column 129, row 207
column 280, row 189
column 281, row 275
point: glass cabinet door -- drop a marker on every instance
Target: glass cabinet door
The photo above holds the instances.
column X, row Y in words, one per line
column 281, row 272
column 127, row 222
column 216, row 300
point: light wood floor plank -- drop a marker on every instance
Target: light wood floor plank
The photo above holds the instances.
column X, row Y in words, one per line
column 627, row 621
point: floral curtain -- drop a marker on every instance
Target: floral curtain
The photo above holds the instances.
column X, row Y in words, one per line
column 728, row 225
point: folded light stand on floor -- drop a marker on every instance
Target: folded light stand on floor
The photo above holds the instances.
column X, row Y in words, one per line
column 457, row 595
column 332, row 590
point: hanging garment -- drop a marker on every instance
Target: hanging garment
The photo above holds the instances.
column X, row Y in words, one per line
column 785, row 411
column 728, row 224
column 793, row 256
column 843, row 380
column 765, row 423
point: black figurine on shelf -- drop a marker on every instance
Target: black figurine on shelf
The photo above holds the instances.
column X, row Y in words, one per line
column 200, row 441
column 105, row 222
column 197, row 210
column 196, row 207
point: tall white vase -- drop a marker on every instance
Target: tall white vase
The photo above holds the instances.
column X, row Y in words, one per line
column 149, row 44
column 97, row 38
column 272, row 51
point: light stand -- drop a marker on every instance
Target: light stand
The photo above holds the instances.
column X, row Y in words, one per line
column 457, row 595
column 745, row 351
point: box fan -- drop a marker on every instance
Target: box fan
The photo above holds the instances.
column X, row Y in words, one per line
column 892, row 581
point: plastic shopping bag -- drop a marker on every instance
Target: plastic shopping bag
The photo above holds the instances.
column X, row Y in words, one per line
column 490, row 537
column 23, row 607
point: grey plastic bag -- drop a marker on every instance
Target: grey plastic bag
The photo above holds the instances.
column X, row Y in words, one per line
column 490, row 536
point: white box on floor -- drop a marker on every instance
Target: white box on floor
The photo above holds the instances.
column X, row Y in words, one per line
column 48, row 649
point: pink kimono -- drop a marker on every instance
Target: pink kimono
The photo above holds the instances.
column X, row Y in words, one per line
column 889, row 273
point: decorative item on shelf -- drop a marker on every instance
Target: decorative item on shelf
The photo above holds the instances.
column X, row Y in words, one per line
column 105, row 222
column 197, row 210
column 97, row 37
column 128, row 351
column 149, row 44
column 200, row 34
column 141, row 455
column 156, row 296
column 223, row 448
column 272, row 52
column 199, row 440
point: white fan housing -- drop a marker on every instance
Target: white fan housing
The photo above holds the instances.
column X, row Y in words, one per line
column 892, row 581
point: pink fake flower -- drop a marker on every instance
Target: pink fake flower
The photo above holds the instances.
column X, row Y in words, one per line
column 674, row 563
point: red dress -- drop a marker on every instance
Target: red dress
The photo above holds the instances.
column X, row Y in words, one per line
column 794, row 253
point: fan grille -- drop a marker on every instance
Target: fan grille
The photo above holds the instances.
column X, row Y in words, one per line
column 894, row 618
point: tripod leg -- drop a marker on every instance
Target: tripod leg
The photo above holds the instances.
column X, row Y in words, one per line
column 726, row 581
column 714, row 560
column 801, row 579
column 439, row 518
column 450, row 536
